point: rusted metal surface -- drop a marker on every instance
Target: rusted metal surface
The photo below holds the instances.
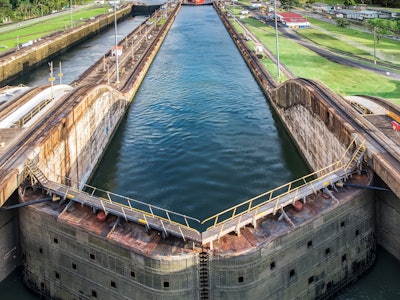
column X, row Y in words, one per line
column 152, row 243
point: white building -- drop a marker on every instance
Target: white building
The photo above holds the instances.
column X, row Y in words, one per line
column 292, row 20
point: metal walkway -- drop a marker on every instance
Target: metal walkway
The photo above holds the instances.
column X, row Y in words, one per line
column 230, row 220
column 248, row 212
column 129, row 212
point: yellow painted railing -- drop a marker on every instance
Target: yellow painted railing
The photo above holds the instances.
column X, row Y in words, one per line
column 343, row 167
column 293, row 187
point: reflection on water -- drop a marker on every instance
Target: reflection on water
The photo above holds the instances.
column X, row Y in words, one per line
column 199, row 137
column 382, row 282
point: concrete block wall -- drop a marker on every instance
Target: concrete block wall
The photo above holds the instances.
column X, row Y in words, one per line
column 388, row 221
column 24, row 60
column 321, row 135
column 76, row 142
column 9, row 241
column 64, row 261
column 308, row 262
column 64, row 258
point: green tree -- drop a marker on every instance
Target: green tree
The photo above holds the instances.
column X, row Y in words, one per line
column 342, row 23
column 349, row 3
column 289, row 4
column 5, row 10
column 23, row 11
column 381, row 27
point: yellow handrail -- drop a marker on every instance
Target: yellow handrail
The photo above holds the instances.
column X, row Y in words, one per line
column 339, row 165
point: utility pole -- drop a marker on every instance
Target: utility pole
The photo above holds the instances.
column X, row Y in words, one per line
column 51, row 79
column 60, row 74
column 375, row 44
column 116, row 40
column 70, row 6
column 276, row 41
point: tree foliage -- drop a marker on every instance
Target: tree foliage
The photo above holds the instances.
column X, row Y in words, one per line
column 16, row 10
column 349, row 3
column 289, row 4
column 343, row 23
column 382, row 27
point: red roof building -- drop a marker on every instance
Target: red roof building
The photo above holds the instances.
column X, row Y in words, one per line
column 292, row 20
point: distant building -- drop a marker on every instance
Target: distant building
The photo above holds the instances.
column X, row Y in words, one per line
column 258, row 49
column 292, row 20
column 114, row 3
column 320, row 7
column 116, row 50
column 369, row 14
column 256, row 4
column 349, row 14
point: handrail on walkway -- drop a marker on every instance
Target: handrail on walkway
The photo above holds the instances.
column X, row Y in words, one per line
column 138, row 205
column 118, row 203
column 159, row 218
column 293, row 187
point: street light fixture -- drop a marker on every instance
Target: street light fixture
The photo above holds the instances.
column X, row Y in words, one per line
column 276, row 41
column 375, row 28
column 116, row 40
column 70, row 7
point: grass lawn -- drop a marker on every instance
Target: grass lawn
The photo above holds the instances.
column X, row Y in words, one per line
column 339, row 37
column 332, row 42
column 35, row 31
column 307, row 64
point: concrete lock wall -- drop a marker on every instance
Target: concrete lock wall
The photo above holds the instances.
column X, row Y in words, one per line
column 321, row 135
column 74, row 145
column 9, row 250
column 388, row 221
column 66, row 259
column 309, row 262
column 24, row 60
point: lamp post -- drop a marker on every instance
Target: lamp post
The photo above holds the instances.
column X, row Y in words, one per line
column 116, row 40
column 375, row 44
column 276, row 41
column 70, row 7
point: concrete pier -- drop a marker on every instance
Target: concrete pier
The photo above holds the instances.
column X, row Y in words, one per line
column 68, row 251
column 71, row 138
column 74, row 253
column 22, row 61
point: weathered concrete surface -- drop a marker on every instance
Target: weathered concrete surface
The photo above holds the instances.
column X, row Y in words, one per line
column 20, row 62
column 68, row 253
column 71, row 142
column 388, row 220
column 72, row 147
column 321, row 135
column 98, row 260
column 10, row 246
column 59, row 146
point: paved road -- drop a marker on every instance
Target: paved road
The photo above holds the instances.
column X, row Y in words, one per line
column 352, row 61
column 340, row 58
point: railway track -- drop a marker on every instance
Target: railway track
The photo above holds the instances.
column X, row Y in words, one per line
column 257, row 68
column 388, row 149
column 136, row 47
column 31, row 135
column 383, row 103
column 11, row 105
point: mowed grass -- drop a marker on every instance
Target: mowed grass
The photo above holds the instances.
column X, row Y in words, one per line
column 341, row 37
column 38, row 30
column 332, row 42
column 307, row 64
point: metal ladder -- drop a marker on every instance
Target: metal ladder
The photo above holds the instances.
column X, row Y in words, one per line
column 204, row 276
